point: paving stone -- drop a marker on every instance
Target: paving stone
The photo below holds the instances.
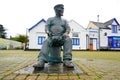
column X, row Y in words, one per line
column 64, row 77
column 21, row 77
column 85, row 69
column 55, row 77
column 2, row 71
column 31, row 77
column 1, row 76
column 42, row 77
column 85, row 77
column 73, row 77
column 10, row 77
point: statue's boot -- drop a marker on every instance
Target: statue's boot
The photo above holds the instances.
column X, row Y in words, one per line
column 68, row 64
column 39, row 64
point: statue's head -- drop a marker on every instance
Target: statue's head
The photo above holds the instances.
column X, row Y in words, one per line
column 59, row 9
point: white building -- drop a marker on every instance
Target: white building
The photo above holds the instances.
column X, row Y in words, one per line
column 37, row 35
column 78, row 34
column 104, row 35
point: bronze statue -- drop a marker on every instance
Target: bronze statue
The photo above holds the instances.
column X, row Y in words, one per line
column 58, row 35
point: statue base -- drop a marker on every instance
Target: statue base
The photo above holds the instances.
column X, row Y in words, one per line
column 57, row 68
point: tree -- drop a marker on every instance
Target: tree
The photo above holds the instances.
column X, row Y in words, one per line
column 2, row 32
column 21, row 38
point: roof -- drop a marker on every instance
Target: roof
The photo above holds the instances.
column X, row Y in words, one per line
column 76, row 23
column 106, row 24
column 111, row 21
column 99, row 24
column 42, row 20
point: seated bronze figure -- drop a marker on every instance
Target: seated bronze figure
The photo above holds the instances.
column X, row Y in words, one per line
column 58, row 31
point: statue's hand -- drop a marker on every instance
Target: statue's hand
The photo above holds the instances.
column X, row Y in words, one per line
column 49, row 33
column 65, row 35
column 56, row 41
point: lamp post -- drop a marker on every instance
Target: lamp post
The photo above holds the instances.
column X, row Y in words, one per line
column 98, row 30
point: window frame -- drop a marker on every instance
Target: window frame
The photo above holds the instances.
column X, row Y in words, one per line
column 114, row 29
column 75, row 34
column 41, row 40
column 76, row 41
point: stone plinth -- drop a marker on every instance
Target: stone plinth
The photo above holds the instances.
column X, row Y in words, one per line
column 50, row 69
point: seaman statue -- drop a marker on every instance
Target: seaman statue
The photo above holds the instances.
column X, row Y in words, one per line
column 58, row 31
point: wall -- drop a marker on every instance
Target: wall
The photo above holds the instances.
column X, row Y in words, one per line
column 39, row 30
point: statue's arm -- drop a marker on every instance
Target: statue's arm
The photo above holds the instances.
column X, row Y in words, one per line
column 47, row 27
column 67, row 29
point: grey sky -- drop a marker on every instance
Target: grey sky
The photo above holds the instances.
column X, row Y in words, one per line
column 17, row 15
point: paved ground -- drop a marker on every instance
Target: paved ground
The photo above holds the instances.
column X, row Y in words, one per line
column 94, row 69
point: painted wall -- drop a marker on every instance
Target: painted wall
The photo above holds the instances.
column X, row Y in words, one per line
column 39, row 30
column 34, row 33
column 93, row 39
column 104, row 39
column 82, row 32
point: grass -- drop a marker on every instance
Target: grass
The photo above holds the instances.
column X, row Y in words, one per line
column 16, row 56
column 110, row 55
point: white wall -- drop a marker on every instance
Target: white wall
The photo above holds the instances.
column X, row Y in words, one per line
column 75, row 27
column 104, row 39
column 83, row 41
column 39, row 30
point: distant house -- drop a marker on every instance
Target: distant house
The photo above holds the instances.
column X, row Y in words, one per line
column 78, row 34
column 104, row 35
column 37, row 35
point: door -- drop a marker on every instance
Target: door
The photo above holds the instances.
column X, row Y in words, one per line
column 94, row 44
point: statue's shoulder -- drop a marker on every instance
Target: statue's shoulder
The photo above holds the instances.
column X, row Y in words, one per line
column 50, row 19
column 64, row 20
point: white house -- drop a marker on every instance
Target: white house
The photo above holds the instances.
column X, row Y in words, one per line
column 107, row 35
column 93, row 35
column 37, row 35
column 78, row 34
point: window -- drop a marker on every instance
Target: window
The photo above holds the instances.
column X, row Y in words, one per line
column 75, row 41
column 75, row 34
column 116, row 42
column 114, row 28
column 110, row 42
column 41, row 39
column 91, row 41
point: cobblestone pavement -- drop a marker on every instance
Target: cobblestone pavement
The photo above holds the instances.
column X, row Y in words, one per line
column 94, row 69
column 104, row 69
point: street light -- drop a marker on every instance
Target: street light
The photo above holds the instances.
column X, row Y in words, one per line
column 98, row 30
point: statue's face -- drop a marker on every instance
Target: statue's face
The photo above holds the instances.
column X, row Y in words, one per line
column 59, row 11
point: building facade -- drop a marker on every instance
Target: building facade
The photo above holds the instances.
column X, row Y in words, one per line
column 37, row 35
column 104, row 35
column 96, row 36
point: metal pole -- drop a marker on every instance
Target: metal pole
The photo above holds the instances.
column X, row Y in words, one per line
column 98, row 31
